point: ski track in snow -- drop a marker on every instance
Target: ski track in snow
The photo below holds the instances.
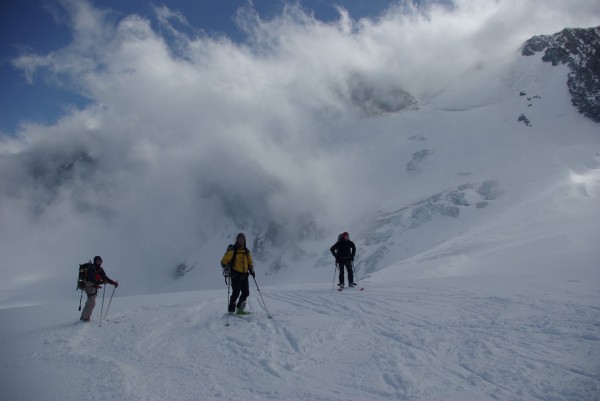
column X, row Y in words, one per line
column 412, row 342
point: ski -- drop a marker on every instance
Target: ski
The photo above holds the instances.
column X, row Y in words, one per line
column 243, row 317
column 356, row 287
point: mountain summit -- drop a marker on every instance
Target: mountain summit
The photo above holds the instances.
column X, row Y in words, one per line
column 579, row 49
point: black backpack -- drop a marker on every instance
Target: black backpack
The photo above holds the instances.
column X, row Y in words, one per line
column 83, row 269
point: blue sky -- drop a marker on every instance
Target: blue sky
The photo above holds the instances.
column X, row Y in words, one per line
column 42, row 26
column 46, row 87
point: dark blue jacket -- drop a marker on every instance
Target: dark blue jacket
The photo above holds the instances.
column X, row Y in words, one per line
column 343, row 250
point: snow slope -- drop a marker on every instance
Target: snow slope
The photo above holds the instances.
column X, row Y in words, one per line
column 463, row 338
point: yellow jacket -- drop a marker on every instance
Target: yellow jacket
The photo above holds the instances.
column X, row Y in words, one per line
column 243, row 260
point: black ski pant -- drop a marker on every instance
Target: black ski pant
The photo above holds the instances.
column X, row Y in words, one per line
column 348, row 265
column 239, row 284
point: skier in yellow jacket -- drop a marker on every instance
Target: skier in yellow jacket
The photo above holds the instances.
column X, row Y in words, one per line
column 238, row 265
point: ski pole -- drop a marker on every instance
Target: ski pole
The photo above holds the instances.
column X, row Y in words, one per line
column 334, row 271
column 102, row 309
column 261, row 297
column 354, row 271
column 228, row 300
column 108, row 307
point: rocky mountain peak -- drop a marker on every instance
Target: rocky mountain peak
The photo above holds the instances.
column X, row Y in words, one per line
column 579, row 49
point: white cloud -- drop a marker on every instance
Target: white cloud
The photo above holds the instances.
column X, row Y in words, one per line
column 181, row 133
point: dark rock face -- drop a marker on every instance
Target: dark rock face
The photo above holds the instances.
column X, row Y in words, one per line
column 579, row 49
column 376, row 98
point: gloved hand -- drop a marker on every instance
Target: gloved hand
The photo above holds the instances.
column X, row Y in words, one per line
column 116, row 284
column 226, row 271
column 352, row 258
column 97, row 287
column 251, row 271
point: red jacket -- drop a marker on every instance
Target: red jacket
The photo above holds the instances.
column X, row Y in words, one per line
column 96, row 275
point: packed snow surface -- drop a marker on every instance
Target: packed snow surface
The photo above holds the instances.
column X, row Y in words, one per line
column 457, row 339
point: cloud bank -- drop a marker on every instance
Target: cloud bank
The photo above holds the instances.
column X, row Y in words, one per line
column 189, row 138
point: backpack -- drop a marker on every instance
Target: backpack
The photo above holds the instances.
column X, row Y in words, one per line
column 83, row 269
column 227, row 269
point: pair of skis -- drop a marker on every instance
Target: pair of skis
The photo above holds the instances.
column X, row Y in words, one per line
column 247, row 317
column 341, row 288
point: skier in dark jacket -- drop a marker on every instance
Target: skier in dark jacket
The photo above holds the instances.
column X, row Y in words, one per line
column 343, row 251
column 94, row 279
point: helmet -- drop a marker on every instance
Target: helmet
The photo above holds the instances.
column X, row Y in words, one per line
column 240, row 235
column 345, row 235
